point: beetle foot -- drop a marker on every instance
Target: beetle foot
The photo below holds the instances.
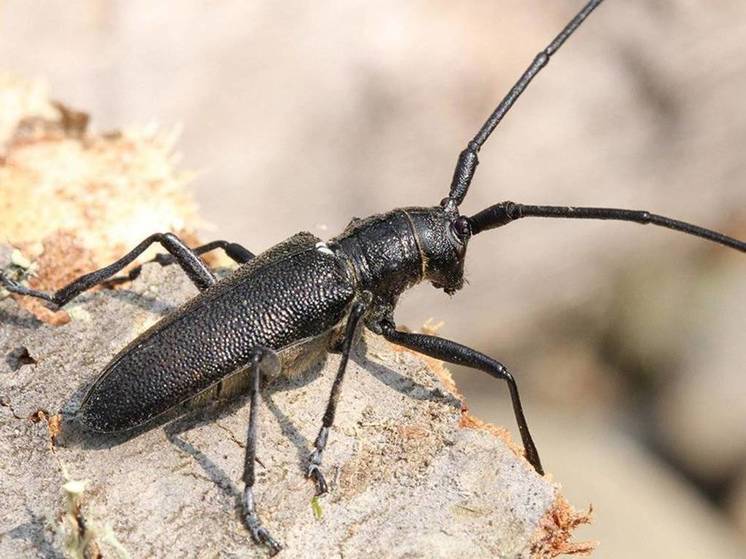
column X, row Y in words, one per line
column 314, row 472
column 260, row 536
column 10, row 284
column 259, row 533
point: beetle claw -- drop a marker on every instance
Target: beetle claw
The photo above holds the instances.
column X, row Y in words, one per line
column 259, row 533
column 314, row 472
column 263, row 537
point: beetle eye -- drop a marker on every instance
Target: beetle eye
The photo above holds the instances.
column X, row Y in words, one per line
column 462, row 228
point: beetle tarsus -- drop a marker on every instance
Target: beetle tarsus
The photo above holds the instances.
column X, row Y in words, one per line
column 314, row 461
column 259, row 533
column 314, row 472
column 19, row 289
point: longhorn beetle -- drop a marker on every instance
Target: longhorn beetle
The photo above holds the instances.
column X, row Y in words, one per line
column 306, row 292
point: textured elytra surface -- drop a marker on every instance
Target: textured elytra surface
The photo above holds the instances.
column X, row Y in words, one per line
column 406, row 479
column 290, row 293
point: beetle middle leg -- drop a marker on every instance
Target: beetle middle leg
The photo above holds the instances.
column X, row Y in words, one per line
column 313, row 471
column 262, row 362
column 189, row 261
column 446, row 350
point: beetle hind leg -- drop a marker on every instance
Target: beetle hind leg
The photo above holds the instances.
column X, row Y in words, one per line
column 189, row 261
column 234, row 251
column 263, row 362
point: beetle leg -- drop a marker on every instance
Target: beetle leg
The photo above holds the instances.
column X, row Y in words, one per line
column 194, row 267
column 261, row 359
column 458, row 354
column 234, row 251
column 313, row 471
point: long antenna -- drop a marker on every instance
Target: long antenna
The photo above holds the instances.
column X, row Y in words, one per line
column 506, row 212
column 468, row 160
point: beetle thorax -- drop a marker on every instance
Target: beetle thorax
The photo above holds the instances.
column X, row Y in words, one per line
column 391, row 252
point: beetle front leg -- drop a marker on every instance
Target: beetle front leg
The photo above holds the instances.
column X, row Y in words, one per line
column 313, row 471
column 458, row 354
column 262, row 360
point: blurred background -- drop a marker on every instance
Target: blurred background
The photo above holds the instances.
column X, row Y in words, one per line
column 628, row 342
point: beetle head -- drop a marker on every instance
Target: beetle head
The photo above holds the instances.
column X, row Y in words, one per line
column 442, row 236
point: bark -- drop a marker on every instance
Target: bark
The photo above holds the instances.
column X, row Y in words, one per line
column 411, row 474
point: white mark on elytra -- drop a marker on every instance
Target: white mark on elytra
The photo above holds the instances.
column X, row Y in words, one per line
column 322, row 248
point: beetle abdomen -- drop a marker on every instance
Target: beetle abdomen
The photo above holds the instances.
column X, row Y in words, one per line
column 289, row 293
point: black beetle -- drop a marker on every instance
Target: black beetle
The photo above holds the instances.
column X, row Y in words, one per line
column 306, row 294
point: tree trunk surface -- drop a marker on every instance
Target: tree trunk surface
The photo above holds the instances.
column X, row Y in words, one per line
column 411, row 474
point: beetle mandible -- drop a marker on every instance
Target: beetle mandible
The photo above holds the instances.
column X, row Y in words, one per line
column 306, row 292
